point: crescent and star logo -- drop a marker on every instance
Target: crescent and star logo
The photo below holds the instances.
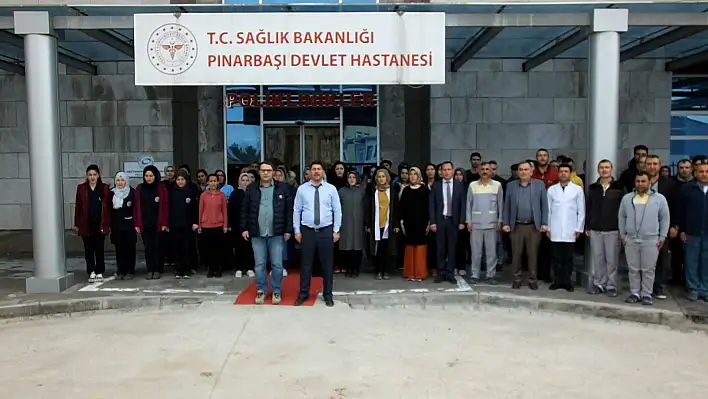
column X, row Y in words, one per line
column 172, row 49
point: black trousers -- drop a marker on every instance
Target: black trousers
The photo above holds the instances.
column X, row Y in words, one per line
column 462, row 249
column 93, row 252
column 382, row 259
column 153, row 257
column 562, row 259
column 213, row 248
column 662, row 262
column 545, row 258
column 317, row 244
column 243, row 254
column 432, row 254
column 167, row 251
column 678, row 256
column 182, row 240
column 447, row 246
column 352, row 261
column 125, row 242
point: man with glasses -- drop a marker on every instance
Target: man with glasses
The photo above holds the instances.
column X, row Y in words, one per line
column 266, row 221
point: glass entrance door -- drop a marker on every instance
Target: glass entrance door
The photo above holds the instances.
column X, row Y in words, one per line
column 298, row 145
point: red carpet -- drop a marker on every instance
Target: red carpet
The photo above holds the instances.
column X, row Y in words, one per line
column 289, row 288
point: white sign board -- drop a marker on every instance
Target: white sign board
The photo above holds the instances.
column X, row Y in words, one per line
column 135, row 169
column 289, row 48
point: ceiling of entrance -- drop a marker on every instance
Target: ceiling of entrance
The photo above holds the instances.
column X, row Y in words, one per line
column 90, row 47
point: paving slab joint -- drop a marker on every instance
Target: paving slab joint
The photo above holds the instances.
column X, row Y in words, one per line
column 94, row 304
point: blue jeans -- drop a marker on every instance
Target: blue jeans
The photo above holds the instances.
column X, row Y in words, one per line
column 264, row 248
column 696, row 264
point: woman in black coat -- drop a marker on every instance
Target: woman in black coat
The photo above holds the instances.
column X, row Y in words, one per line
column 242, row 250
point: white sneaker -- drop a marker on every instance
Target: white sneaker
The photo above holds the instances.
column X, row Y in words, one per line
column 239, row 274
column 99, row 277
column 92, row 277
column 285, row 273
column 251, row 273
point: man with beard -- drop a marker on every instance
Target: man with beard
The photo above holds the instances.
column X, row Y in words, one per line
column 693, row 225
column 549, row 176
column 627, row 177
column 643, row 222
column 667, row 188
column 685, row 175
column 473, row 174
column 603, row 202
column 566, row 222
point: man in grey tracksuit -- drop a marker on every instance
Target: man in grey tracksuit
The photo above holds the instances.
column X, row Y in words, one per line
column 485, row 203
column 643, row 224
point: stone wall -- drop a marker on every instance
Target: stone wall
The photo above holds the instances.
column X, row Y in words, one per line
column 105, row 119
column 491, row 106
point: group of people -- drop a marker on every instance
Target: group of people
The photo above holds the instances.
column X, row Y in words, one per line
column 439, row 220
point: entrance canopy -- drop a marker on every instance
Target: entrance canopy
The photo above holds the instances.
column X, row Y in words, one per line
column 677, row 32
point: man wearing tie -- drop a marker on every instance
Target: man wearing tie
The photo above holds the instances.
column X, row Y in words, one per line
column 317, row 217
column 446, row 204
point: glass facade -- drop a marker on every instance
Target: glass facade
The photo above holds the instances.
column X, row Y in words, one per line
column 299, row 124
column 689, row 118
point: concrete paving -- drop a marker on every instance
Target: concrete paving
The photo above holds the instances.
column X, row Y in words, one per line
column 220, row 351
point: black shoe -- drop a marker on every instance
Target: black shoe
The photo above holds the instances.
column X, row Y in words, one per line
column 569, row 288
column 128, row 277
column 533, row 286
column 554, row 286
column 149, row 276
column 178, row 276
column 632, row 299
column 120, row 277
column 451, row 280
column 210, row 274
column 646, row 301
column 156, row 276
column 217, row 274
column 473, row 281
column 612, row 292
column 329, row 302
column 516, row 285
column 439, row 279
column 492, row 281
column 299, row 301
column 659, row 294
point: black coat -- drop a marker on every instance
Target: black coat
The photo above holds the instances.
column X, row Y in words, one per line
column 282, row 209
column 234, row 209
column 602, row 207
column 184, row 207
column 670, row 190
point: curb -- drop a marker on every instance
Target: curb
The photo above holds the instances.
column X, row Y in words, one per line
column 672, row 319
column 94, row 304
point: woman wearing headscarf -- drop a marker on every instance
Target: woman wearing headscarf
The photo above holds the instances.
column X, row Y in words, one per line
column 244, row 261
column 87, row 221
column 463, row 253
column 202, row 180
column 415, row 225
column 291, row 179
column 351, row 239
column 382, row 223
column 151, row 215
column 184, row 212
column 431, row 176
column 119, row 209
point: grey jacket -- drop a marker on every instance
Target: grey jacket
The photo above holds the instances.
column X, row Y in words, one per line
column 652, row 225
column 539, row 203
column 485, row 205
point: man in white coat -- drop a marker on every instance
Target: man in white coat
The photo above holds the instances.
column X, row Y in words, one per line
column 566, row 222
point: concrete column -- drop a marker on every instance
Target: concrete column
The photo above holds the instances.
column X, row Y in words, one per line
column 603, row 97
column 50, row 273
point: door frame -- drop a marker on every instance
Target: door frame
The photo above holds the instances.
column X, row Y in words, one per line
column 301, row 125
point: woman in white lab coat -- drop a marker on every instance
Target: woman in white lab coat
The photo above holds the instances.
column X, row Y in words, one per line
column 566, row 222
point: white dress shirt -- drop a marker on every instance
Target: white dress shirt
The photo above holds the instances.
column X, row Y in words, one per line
column 452, row 191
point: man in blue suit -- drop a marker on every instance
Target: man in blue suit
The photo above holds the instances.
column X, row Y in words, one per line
column 447, row 201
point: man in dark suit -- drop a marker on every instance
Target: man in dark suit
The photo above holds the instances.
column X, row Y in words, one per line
column 447, row 201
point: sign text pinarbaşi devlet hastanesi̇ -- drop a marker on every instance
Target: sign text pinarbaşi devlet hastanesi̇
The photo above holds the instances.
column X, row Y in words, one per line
column 277, row 61
column 232, row 49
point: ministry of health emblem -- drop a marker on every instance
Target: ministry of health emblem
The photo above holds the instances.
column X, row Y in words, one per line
column 172, row 49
